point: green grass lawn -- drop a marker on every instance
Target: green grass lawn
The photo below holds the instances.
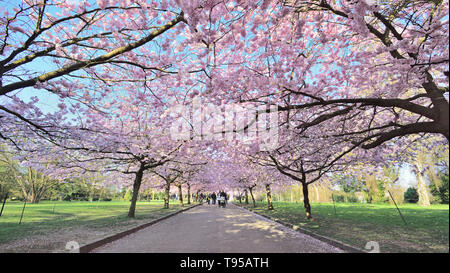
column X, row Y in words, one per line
column 48, row 217
column 427, row 228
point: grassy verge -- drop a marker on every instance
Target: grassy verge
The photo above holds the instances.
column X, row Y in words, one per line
column 427, row 228
column 47, row 226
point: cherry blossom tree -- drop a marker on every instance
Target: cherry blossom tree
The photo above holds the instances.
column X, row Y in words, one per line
column 83, row 51
column 129, row 139
column 382, row 68
column 169, row 175
column 83, row 44
column 307, row 162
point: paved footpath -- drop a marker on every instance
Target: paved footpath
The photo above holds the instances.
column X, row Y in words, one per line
column 210, row 229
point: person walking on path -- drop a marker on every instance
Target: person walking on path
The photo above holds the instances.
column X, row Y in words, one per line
column 222, row 199
column 224, row 196
column 213, row 197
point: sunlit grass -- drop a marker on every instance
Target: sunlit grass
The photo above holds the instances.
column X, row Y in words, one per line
column 46, row 216
column 426, row 228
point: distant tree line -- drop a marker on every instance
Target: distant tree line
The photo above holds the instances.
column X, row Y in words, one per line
column 20, row 183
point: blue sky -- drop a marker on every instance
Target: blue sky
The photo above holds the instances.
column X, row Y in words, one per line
column 406, row 177
column 47, row 101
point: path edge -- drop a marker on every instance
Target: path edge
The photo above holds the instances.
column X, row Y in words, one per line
column 328, row 240
column 91, row 246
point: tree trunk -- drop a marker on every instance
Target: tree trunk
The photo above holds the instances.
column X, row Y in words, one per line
column 253, row 198
column 91, row 190
column 269, row 197
column 441, row 107
column 3, row 205
column 422, row 190
column 246, row 197
column 189, row 194
column 180, row 195
column 35, row 198
column 136, row 187
column 167, row 195
column 306, row 201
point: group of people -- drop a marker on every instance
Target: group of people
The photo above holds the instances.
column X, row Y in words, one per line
column 212, row 197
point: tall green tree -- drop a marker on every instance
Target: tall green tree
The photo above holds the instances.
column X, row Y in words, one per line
column 31, row 184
